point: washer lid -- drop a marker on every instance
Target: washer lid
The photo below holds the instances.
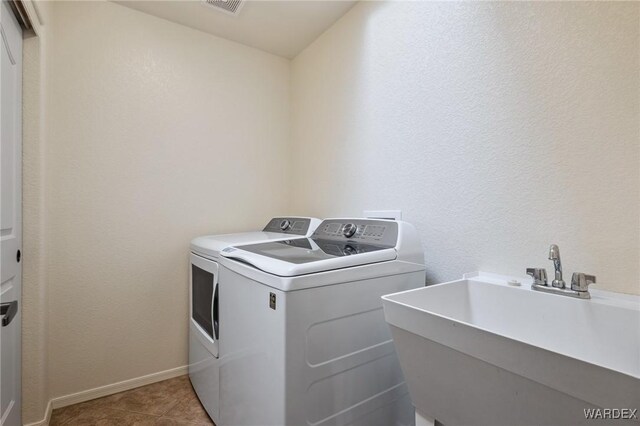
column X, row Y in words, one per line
column 301, row 256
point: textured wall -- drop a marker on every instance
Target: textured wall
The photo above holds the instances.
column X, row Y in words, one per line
column 498, row 128
column 157, row 133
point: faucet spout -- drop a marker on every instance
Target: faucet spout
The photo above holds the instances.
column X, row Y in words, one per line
column 554, row 254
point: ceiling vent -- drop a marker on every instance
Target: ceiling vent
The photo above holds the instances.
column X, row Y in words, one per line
column 230, row 7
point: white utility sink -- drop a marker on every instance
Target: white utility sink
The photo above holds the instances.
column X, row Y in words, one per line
column 479, row 351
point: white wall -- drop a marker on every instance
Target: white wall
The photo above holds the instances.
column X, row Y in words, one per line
column 497, row 128
column 157, row 133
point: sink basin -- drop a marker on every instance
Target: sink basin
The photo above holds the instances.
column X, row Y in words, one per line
column 480, row 351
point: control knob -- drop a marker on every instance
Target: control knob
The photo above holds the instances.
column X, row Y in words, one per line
column 349, row 230
column 285, row 224
column 349, row 250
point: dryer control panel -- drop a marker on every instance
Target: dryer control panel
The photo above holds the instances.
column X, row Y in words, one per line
column 288, row 225
column 372, row 231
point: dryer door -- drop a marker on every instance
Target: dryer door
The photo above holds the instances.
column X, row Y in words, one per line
column 204, row 301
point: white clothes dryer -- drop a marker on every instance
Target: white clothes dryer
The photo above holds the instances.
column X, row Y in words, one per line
column 204, row 294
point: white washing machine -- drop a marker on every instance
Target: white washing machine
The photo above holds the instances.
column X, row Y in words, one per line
column 303, row 340
column 204, row 295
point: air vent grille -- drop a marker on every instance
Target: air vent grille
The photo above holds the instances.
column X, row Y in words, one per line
column 231, row 7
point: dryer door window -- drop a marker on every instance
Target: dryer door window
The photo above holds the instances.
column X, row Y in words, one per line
column 202, row 298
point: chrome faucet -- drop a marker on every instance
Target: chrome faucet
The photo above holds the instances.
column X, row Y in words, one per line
column 554, row 254
column 579, row 282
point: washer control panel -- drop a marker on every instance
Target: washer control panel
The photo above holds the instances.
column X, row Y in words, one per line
column 380, row 232
column 288, row 225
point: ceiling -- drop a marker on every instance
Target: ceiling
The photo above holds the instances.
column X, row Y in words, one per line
column 283, row 28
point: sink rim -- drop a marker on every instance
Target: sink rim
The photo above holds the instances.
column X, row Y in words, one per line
column 599, row 296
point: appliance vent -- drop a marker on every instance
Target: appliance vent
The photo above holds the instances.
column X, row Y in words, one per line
column 230, row 7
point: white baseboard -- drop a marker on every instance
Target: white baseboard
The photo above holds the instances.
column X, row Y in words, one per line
column 75, row 398
column 99, row 392
column 47, row 417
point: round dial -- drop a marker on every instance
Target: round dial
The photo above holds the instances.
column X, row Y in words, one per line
column 349, row 250
column 349, row 229
column 285, row 224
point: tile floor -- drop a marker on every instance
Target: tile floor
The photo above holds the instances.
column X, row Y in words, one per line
column 167, row 403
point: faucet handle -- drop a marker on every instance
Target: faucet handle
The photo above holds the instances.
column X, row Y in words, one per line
column 539, row 275
column 581, row 282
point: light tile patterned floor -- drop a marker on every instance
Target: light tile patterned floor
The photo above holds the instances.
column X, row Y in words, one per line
column 167, row 403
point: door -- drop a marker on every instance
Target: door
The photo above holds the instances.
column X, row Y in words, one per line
column 10, row 217
column 204, row 301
